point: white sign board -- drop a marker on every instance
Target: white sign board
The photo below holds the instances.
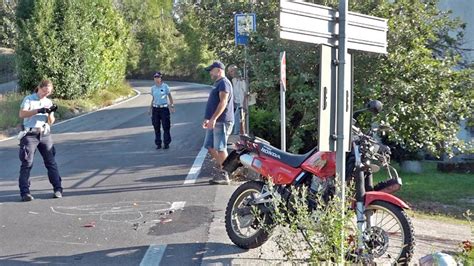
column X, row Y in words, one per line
column 327, row 99
column 307, row 22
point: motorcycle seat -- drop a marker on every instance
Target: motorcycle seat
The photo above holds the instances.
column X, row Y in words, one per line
column 293, row 160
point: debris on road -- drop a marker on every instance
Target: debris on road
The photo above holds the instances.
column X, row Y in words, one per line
column 91, row 224
column 165, row 220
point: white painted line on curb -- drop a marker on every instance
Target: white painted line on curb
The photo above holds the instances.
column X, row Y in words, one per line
column 153, row 255
column 196, row 168
column 76, row 117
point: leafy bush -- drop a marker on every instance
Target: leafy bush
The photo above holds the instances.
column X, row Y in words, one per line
column 7, row 67
column 266, row 125
column 80, row 45
column 9, row 106
column 312, row 235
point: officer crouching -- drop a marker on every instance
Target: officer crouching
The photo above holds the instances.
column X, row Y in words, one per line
column 37, row 112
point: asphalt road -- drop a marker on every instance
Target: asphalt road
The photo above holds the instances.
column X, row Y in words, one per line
column 126, row 203
column 122, row 197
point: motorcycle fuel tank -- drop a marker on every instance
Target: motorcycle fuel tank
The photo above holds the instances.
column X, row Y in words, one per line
column 322, row 164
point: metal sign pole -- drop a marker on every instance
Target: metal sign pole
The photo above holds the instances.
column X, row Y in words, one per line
column 341, row 99
column 247, row 84
column 283, row 100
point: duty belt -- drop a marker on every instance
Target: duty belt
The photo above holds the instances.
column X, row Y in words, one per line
column 34, row 130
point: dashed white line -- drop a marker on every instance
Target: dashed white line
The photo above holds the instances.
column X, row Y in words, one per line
column 153, row 255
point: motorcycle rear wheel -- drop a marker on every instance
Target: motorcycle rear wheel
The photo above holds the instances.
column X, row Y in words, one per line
column 243, row 228
column 390, row 235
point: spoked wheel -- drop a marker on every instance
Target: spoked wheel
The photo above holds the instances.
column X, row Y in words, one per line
column 244, row 222
column 389, row 237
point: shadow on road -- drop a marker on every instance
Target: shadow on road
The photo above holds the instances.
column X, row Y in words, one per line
column 173, row 255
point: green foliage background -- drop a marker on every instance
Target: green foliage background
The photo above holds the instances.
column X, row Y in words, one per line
column 83, row 46
column 80, row 45
column 423, row 80
column 7, row 23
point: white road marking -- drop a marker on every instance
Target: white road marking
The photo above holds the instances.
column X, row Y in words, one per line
column 155, row 252
column 178, row 205
column 9, row 195
column 196, row 168
column 153, row 255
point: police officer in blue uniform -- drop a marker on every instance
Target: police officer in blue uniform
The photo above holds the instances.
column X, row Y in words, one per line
column 37, row 112
column 161, row 105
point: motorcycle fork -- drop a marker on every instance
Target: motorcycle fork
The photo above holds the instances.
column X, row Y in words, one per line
column 360, row 187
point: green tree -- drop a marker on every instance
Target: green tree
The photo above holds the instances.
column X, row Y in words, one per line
column 157, row 43
column 7, row 23
column 80, row 46
column 421, row 80
column 196, row 53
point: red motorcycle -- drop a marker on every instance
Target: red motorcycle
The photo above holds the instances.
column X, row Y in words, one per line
column 387, row 232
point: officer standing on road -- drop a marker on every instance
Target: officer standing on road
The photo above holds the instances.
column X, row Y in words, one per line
column 37, row 112
column 160, row 110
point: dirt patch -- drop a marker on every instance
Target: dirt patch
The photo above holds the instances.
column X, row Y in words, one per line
column 439, row 208
column 10, row 132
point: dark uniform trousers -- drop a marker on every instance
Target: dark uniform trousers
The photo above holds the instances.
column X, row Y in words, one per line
column 28, row 145
column 161, row 117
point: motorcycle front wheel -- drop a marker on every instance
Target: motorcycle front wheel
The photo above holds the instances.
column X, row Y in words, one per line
column 247, row 225
column 389, row 237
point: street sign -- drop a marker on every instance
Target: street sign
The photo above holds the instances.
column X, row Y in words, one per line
column 307, row 22
column 244, row 24
column 327, row 98
column 283, row 70
column 348, row 92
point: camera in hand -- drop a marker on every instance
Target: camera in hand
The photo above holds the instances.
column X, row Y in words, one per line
column 53, row 108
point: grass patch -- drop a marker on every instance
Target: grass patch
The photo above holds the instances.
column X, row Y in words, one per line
column 10, row 104
column 436, row 192
column 9, row 108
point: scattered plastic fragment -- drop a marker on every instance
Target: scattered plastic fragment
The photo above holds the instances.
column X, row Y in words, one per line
column 164, row 220
column 91, row 224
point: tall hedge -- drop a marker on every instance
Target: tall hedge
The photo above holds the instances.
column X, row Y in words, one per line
column 80, row 45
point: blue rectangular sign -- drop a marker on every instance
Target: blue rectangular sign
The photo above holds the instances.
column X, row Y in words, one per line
column 244, row 25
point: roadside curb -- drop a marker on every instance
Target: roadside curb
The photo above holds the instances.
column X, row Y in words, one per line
column 138, row 93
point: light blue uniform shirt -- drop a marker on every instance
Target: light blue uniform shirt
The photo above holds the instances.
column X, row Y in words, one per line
column 160, row 94
column 33, row 102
